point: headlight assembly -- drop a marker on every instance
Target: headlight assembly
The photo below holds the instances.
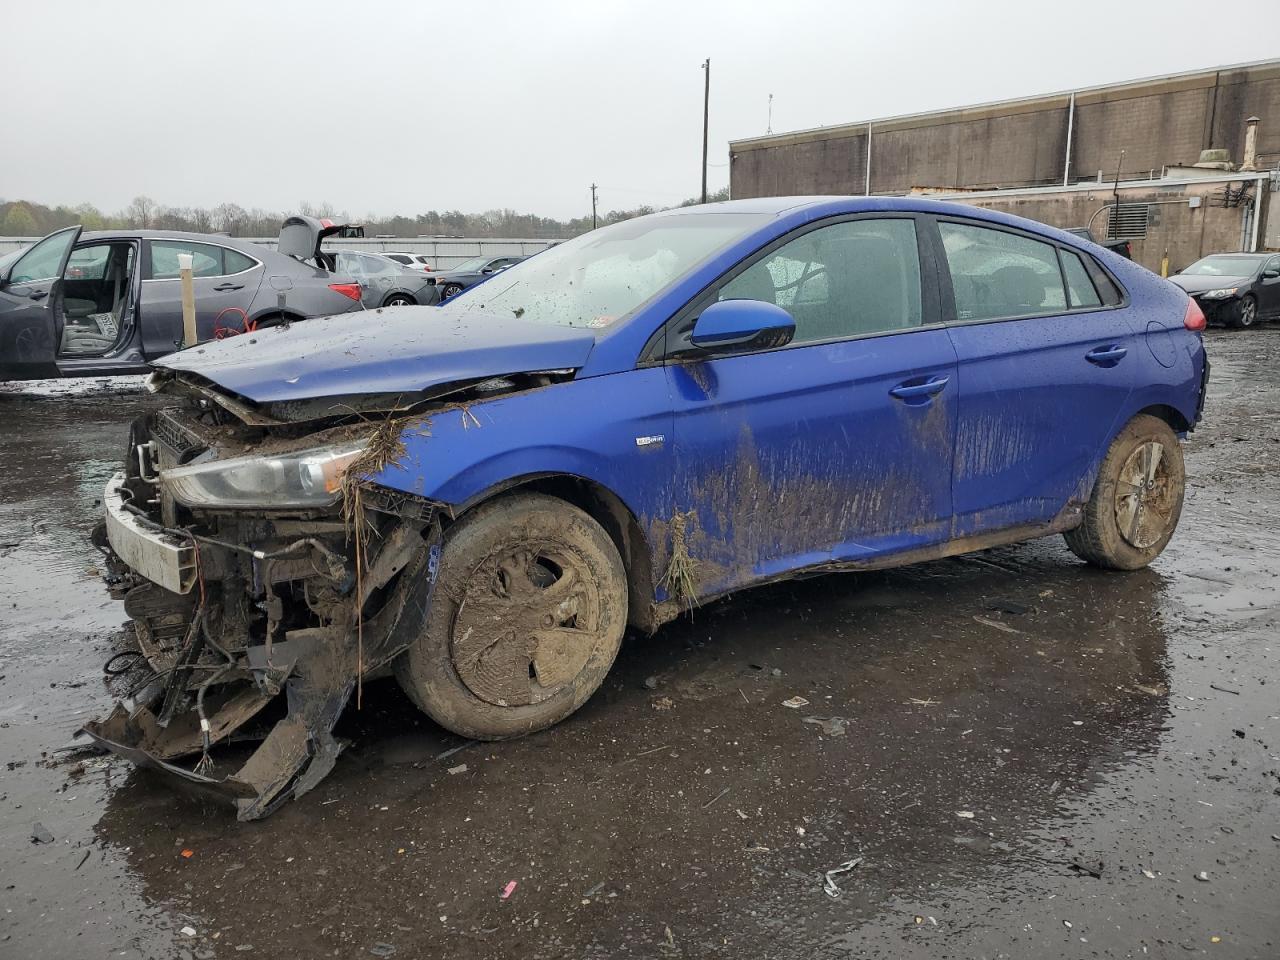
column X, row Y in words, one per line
column 307, row 478
column 1220, row 294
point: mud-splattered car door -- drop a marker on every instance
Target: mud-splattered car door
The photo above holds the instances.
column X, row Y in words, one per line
column 835, row 448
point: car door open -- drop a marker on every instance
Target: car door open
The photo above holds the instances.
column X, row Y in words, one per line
column 836, row 448
column 30, row 304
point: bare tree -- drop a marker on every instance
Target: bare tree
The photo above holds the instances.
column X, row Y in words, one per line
column 140, row 211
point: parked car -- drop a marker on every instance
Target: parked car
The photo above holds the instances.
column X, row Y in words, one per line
column 415, row 261
column 1121, row 247
column 470, row 272
column 643, row 419
column 110, row 302
column 386, row 283
column 1237, row 289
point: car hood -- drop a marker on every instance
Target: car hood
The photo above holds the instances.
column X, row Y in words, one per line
column 406, row 350
column 1201, row 284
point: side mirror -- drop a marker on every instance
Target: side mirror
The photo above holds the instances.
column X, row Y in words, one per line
column 1271, row 273
column 743, row 325
column 487, row 270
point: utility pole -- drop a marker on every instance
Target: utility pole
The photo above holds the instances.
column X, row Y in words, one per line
column 1115, row 199
column 706, row 114
column 593, row 206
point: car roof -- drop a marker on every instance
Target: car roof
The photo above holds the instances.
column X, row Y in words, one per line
column 172, row 235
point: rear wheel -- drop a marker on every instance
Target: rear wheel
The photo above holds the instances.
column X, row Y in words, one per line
column 527, row 617
column 1246, row 312
column 1136, row 501
column 399, row 300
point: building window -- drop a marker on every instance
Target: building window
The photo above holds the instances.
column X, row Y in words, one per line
column 1128, row 221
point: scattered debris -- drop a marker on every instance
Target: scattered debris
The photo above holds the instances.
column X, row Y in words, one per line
column 1152, row 690
column 715, row 798
column 1148, row 874
column 188, row 854
column 986, row 622
column 460, row 768
column 1202, row 876
column 1214, row 686
column 83, row 858
column 1080, row 868
column 382, row 950
column 509, row 889
column 795, row 703
column 662, row 703
column 926, row 702
column 40, row 834
column 452, row 750
column 651, row 683
column 831, row 726
column 828, row 879
column 188, row 931
column 965, row 814
column 594, row 890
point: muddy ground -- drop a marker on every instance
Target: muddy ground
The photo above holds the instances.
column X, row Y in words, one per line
column 1039, row 759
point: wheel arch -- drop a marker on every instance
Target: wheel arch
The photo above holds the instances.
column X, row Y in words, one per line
column 614, row 516
column 1171, row 415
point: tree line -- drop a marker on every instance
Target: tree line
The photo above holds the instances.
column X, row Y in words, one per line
column 25, row 218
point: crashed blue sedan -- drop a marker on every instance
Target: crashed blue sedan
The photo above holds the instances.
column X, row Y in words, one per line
column 482, row 498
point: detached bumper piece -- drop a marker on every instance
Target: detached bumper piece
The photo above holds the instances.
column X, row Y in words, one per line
column 297, row 627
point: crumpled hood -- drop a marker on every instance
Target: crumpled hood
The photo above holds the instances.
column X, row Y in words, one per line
column 408, row 349
column 1201, row 284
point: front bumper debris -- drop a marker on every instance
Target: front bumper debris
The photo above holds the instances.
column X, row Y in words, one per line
column 233, row 613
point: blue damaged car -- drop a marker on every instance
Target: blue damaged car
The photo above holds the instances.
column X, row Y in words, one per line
column 481, row 498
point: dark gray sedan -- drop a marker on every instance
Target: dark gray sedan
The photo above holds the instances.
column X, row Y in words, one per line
column 1237, row 289
column 470, row 272
column 109, row 302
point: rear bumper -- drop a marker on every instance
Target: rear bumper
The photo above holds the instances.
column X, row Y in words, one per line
column 160, row 557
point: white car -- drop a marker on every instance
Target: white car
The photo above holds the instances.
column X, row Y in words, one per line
column 414, row 261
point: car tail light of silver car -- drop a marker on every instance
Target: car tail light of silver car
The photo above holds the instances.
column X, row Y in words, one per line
column 307, row 478
column 351, row 290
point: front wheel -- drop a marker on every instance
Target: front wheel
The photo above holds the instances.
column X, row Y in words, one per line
column 399, row 300
column 1136, row 501
column 451, row 290
column 1246, row 312
column 527, row 617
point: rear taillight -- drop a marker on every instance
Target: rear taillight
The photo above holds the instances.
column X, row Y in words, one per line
column 351, row 290
column 1194, row 318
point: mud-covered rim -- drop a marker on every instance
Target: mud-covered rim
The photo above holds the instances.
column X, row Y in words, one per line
column 529, row 622
column 1145, row 496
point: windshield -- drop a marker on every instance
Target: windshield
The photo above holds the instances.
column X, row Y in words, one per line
column 594, row 279
column 1223, row 267
column 470, row 266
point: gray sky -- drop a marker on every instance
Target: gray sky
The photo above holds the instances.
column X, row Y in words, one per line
column 379, row 106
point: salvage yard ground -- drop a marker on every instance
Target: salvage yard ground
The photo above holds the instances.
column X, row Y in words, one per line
column 1031, row 757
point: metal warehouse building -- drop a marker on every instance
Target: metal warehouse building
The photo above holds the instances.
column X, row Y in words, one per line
column 1180, row 165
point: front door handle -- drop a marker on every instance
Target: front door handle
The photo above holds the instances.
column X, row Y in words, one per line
column 38, row 294
column 223, row 287
column 1106, row 356
column 919, row 392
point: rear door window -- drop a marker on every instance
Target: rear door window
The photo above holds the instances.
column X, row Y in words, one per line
column 996, row 274
column 206, row 259
column 236, row 262
column 1079, row 287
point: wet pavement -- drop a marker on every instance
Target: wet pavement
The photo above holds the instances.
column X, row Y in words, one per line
column 1031, row 757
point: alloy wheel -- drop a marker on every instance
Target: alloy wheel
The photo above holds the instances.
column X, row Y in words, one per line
column 1145, row 499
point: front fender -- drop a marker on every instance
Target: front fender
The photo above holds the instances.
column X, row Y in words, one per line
column 588, row 429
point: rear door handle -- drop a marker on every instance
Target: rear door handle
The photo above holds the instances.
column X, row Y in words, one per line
column 223, row 287
column 919, row 391
column 1106, row 356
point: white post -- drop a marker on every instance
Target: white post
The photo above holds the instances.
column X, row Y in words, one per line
column 866, row 188
column 188, row 300
column 1066, row 159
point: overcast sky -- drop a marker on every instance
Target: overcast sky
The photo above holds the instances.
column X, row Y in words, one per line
column 380, row 107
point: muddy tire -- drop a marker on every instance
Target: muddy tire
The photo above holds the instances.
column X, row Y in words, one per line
column 1136, row 499
column 527, row 617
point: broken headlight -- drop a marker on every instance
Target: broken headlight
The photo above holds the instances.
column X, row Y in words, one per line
column 308, row 478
